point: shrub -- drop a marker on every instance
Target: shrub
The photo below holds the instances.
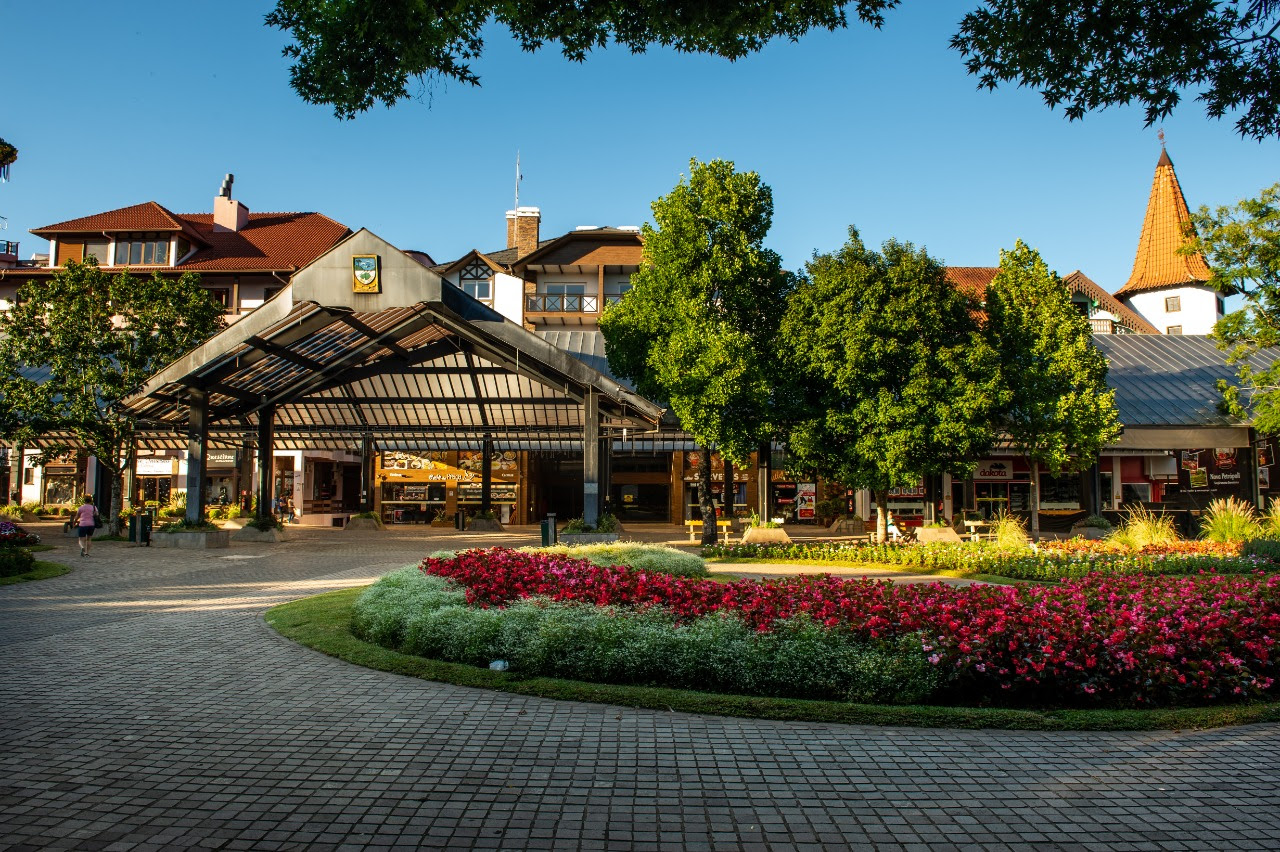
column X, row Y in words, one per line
column 1097, row 522
column 187, row 526
column 15, row 561
column 1230, row 519
column 31, row 507
column 1100, row 639
column 1009, row 532
column 1144, row 527
column 233, row 512
column 536, row 636
column 607, row 524
column 216, row 513
column 643, row 557
column 266, row 524
column 1270, row 521
column 1265, row 548
column 11, row 512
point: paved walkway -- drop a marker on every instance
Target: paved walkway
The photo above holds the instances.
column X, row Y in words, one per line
column 144, row 704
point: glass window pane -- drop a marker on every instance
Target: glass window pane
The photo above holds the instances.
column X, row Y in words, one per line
column 162, row 251
column 135, row 252
column 122, row 254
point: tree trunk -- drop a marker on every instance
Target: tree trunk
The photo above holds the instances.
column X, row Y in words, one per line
column 1035, row 499
column 882, row 515
column 116, row 499
column 730, row 491
column 705, row 504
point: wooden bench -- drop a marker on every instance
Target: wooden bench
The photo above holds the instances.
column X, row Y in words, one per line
column 979, row 530
column 695, row 530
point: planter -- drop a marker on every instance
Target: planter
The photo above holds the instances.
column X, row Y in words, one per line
column 363, row 524
column 192, row 540
column 928, row 534
column 587, row 538
column 1090, row 533
column 445, row 524
column 484, row 525
column 255, row 534
column 765, row 535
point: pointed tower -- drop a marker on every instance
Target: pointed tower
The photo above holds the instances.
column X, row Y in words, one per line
column 1166, row 288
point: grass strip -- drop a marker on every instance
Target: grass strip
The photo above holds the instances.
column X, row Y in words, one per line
column 322, row 623
column 42, row 571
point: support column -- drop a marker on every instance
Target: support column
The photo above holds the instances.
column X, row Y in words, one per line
column 486, row 474
column 367, row 454
column 591, row 458
column 1091, row 490
column 764, row 477
column 266, row 459
column 197, row 442
column 606, row 476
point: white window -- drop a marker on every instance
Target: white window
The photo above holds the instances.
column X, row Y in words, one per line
column 475, row 282
column 145, row 250
column 1172, row 304
column 1173, row 329
column 567, row 297
column 615, row 290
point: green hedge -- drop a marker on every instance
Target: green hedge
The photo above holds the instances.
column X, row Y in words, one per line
column 645, row 557
column 410, row 612
column 14, row 561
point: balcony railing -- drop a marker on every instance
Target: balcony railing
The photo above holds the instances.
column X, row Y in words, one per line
column 563, row 304
column 9, row 247
column 1102, row 326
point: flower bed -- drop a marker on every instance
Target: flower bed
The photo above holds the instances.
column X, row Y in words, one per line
column 1112, row 639
column 12, row 535
column 1061, row 560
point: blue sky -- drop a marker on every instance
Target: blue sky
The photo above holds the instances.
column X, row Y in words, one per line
column 879, row 129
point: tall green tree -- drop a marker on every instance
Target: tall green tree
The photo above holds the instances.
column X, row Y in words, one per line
column 1057, row 410
column 1242, row 245
column 698, row 325
column 898, row 381
column 1083, row 55
column 78, row 343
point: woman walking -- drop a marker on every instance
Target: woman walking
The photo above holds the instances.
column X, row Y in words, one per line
column 87, row 522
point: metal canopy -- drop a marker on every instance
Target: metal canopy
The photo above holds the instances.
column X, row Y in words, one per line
column 420, row 364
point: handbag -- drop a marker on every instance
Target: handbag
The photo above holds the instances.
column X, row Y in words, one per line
column 97, row 521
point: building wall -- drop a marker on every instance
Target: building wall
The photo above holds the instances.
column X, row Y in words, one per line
column 1198, row 309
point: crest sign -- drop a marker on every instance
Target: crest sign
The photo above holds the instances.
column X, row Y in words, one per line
column 364, row 272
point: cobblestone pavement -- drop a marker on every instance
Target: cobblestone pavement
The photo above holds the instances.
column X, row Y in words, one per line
column 145, row 704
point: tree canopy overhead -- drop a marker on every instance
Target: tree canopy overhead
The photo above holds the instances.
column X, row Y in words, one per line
column 1082, row 55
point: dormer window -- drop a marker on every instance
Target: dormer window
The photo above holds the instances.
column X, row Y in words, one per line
column 474, row 281
column 1172, row 304
column 142, row 250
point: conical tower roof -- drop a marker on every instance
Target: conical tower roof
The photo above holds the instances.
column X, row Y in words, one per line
column 1158, row 264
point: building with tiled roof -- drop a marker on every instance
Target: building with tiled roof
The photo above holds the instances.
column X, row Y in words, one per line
column 243, row 258
column 1166, row 287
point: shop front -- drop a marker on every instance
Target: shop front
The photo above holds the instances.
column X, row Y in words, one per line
column 153, row 480
column 739, row 490
column 62, row 482
column 418, row 487
column 222, row 477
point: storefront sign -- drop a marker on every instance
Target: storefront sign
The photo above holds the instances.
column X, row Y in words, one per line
column 221, row 458
column 1210, row 471
column 472, row 492
column 916, row 493
column 155, row 467
column 994, row 470
column 806, row 500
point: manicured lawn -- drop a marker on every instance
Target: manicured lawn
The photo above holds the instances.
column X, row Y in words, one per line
column 42, row 571
column 322, row 622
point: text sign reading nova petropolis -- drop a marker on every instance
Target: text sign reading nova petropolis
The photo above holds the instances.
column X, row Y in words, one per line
column 364, row 272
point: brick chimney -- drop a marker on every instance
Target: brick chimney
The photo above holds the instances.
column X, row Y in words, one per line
column 522, row 229
column 229, row 215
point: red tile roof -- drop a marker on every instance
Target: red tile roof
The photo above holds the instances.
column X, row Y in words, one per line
column 277, row 241
column 972, row 280
column 148, row 216
column 1157, row 264
column 270, row 241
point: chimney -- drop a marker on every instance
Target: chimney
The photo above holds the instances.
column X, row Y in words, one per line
column 522, row 229
column 229, row 215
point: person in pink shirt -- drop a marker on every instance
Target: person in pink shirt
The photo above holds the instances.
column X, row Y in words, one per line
column 87, row 521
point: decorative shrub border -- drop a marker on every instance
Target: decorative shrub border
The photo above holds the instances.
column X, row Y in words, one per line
column 323, row 622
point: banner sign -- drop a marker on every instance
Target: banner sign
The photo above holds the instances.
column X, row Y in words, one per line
column 221, row 458
column 155, row 467
column 806, row 500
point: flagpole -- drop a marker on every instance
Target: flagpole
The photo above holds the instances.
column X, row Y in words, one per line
column 517, row 206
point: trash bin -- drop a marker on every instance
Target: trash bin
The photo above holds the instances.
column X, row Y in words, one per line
column 546, row 534
column 133, row 527
column 144, row 528
column 460, row 520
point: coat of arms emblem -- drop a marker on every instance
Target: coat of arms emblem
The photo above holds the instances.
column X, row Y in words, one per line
column 364, row 271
